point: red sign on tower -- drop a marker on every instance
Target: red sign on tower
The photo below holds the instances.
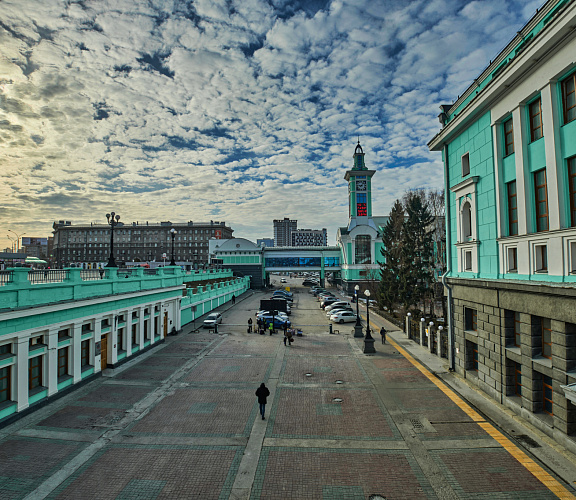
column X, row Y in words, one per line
column 361, row 210
column 218, row 234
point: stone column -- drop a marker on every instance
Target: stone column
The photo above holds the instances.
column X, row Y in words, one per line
column 422, row 331
column 96, row 360
column 22, row 373
column 141, row 337
column 76, row 352
column 431, row 335
column 52, row 361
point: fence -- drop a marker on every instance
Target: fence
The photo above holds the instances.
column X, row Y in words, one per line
column 47, row 275
column 5, row 277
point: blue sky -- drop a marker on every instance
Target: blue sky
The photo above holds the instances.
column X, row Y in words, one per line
column 241, row 111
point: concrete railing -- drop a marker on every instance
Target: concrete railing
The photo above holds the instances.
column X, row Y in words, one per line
column 26, row 288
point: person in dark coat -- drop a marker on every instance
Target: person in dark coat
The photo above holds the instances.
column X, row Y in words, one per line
column 249, row 325
column 383, row 333
column 262, row 393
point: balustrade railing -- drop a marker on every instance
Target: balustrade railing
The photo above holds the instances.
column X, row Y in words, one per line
column 126, row 272
column 5, row 277
column 150, row 272
column 36, row 276
column 92, row 274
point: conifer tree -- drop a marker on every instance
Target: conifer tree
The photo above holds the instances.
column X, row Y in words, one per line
column 417, row 251
column 391, row 269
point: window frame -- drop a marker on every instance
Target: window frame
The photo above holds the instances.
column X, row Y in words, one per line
column 5, row 384
column 536, row 133
column 35, row 381
column 465, row 163
column 571, row 171
column 517, row 330
column 546, row 333
column 512, row 198
column 85, row 353
column 508, row 137
column 541, row 258
column 517, row 379
column 470, row 319
column 541, row 216
column 566, row 110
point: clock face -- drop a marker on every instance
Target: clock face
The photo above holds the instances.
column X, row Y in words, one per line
column 360, row 185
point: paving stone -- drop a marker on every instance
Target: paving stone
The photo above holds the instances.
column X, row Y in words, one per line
column 230, row 370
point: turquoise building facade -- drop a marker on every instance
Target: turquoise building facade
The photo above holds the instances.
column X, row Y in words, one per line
column 509, row 150
column 61, row 328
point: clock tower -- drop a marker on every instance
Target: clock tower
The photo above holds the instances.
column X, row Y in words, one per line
column 359, row 192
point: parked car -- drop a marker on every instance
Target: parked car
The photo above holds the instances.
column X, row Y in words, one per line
column 283, row 280
column 327, row 301
column 335, row 305
column 278, row 321
column 212, row 319
column 284, row 292
column 343, row 317
column 337, row 310
column 281, row 314
column 322, row 296
column 308, row 282
column 282, row 297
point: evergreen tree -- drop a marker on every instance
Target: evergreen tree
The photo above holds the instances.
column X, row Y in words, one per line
column 391, row 269
column 417, row 251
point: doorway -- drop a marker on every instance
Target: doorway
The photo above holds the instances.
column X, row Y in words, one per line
column 103, row 352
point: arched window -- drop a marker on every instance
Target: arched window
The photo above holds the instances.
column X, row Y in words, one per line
column 363, row 249
column 466, row 221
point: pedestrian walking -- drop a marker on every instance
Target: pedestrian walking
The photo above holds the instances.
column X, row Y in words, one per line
column 262, row 393
column 233, row 299
column 288, row 337
column 271, row 327
column 383, row 333
column 249, row 325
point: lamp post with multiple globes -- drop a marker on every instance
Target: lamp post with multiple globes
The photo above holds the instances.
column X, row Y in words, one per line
column 358, row 326
column 113, row 222
column 368, row 340
column 173, row 234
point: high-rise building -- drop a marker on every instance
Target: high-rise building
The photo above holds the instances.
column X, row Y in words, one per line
column 309, row 238
column 283, row 230
column 509, row 149
column 136, row 242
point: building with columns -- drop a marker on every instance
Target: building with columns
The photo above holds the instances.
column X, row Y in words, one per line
column 509, row 150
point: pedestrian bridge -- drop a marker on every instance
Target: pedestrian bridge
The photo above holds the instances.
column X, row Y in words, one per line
column 284, row 259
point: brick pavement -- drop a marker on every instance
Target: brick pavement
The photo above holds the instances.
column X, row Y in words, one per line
column 183, row 423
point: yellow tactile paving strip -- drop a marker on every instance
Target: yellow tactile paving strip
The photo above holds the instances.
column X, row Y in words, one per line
column 552, row 484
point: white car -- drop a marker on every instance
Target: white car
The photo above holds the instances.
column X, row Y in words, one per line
column 337, row 310
column 283, row 280
column 343, row 317
column 336, row 305
column 212, row 320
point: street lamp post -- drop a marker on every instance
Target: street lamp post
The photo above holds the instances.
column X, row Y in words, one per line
column 17, row 239
column 358, row 326
column 11, row 242
column 173, row 234
column 113, row 222
column 368, row 340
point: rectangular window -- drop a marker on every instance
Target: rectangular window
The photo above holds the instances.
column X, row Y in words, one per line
column 467, row 261
column 541, row 200
column 86, row 327
column 134, row 335
column 63, row 334
column 569, row 98
column 508, row 137
column 573, row 257
column 546, row 337
column 120, row 334
column 5, row 384
column 85, row 353
column 547, row 395
column 512, row 208
column 465, row 164
column 512, row 260
column 517, row 379
column 517, row 330
column 470, row 319
column 572, row 188
column 541, row 258
column 63, row 361
column 5, row 349
column 35, row 372
column 535, row 120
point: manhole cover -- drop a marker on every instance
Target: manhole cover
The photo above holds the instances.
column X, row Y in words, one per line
column 416, row 423
column 308, row 374
column 376, row 497
column 339, row 382
column 337, row 400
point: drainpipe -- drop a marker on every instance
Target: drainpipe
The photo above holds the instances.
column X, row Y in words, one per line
column 450, row 324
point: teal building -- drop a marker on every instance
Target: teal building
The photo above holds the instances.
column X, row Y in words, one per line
column 509, row 150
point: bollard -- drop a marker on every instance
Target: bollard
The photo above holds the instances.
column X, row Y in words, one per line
column 330, row 328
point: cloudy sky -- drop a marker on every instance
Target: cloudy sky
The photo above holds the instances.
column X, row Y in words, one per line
column 232, row 110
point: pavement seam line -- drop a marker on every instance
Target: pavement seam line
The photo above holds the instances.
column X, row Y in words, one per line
column 544, row 477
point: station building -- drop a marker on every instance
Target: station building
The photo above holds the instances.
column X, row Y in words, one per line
column 509, row 150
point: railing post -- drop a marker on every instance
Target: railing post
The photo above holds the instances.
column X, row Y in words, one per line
column 431, row 336
column 73, row 274
column 19, row 275
column 422, row 332
column 408, row 326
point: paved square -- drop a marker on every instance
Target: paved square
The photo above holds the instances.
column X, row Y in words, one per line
column 155, row 472
column 322, row 370
column 254, row 345
column 224, row 412
column 314, row 474
column 230, row 370
column 82, row 418
column 305, row 413
column 315, row 345
column 114, row 396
